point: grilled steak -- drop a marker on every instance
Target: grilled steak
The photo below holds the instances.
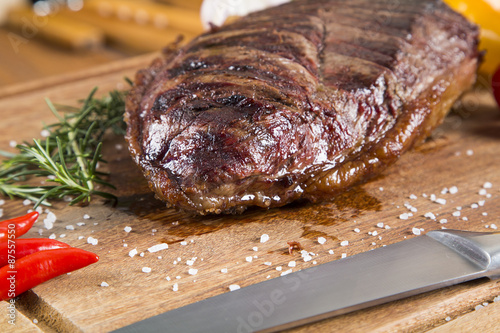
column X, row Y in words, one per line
column 297, row 101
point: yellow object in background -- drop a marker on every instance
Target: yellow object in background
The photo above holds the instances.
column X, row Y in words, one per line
column 485, row 13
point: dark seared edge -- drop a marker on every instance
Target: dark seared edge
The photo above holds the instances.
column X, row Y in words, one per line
column 298, row 101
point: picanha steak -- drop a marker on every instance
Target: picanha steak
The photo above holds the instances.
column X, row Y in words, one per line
column 303, row 100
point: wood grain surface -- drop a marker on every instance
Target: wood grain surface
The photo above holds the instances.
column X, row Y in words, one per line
column 464, row 152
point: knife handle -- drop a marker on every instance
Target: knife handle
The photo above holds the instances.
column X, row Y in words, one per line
column 481, row 248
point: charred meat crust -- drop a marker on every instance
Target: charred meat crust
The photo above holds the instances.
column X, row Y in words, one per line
column 299, row 101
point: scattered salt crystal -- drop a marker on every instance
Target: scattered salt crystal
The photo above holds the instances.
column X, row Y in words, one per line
column 443, row 221
column 264, row 238
column 268, row 263
column 45, row 133
column 178, row 277
column 2, row 202
column 380, row 189
column 52, row 236
column 146, row 270
column 292, row 264
column 482, row 192
column 465, row 218
column 380, row 224
column 125, row 245
column 255, row 248
column 478, row 307
column 387, row 227
column 356, row 230
column 92, row 240
column 224, row 270
column 470, row 152
column 331, row 251
column 158, row 247
column 487, row 185
column 481, row 203
column 12, row 144
column 80, row 224
column 484, row 214
column 279, row 268
column 473, row 206
column 413, row 196
column 321, row 240
column 62, row 235
column 141, row 254
column 127, row 229
column 404, row 216
column 344, row 243
column 132, row 253
column 430, row 215
column 35, row 321
column 81, row 237
column 493, row 226
column 415, row 231
column 104, row 284
column 193, row 271
column 168, row 278
column 175, row 287
column 447, row 318
column 234, row 287
column 286, row 272
column 441, row 201
column 344, row 255
column 444, row 190
column 453, row 190
column 70, row 227
column 86, row 216
column 496, row 299
column 374, row 233
column 249, row 258
column 456, row 213
column 184, row 243
column 190, row 262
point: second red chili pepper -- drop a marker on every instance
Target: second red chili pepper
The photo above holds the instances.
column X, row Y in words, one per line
column 10, row 251
column 39, row 267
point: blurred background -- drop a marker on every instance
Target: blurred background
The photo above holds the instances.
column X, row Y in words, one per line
column 50, row 37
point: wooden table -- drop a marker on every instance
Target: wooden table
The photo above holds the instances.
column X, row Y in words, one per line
column 464, row 152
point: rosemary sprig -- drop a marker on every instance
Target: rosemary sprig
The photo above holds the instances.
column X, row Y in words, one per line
column 66, row 160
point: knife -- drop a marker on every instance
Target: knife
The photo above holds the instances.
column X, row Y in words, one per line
column 438, row 259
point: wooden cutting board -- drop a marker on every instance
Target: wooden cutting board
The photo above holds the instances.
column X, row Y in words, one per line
column 464, row 152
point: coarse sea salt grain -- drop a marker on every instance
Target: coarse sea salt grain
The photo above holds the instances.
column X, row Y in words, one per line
column 175, row 287
column 234, row 287
column 286, row 272
column 264, row 238
column 249, row 258
column 70, row 227
column 255, row 248
column 443, row 221
column 413, row 196
column 92, row 240
column 415, row 231
column 127, row 229
column 356, row 230
column 404, row 216
column 132, row 253
column 52, row 236
column 190, row 262
column 430, row 215
column 146, row 270
column 292, row 264
column 456, row 213
column 344, row 243
column 441, row 201
column 104, row 284
column 331, row 251
column 321, row 240
column 380, row 224
column 474, row 206
column 487, row 185
column 268, row 263
column 482, row 192
column 344, row 255
column 279, row 268
column 224, row 270
column 158, row 247
column 493, row 226
column 86, row 216
column 453, row 190
column 184, row 243
column 193, row 271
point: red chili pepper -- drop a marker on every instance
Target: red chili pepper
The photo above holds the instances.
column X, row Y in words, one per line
column 13, row 250
column 39, row 267
column 495, row 84
column 18, row 226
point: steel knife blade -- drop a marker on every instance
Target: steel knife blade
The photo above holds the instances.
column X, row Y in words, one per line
column 435, row 260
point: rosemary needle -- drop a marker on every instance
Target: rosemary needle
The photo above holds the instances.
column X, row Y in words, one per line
column 66, row 160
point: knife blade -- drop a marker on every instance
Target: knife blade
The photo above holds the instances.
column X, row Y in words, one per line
column 435, row 260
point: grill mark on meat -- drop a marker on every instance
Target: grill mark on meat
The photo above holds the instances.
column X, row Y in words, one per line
column 340, row 90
